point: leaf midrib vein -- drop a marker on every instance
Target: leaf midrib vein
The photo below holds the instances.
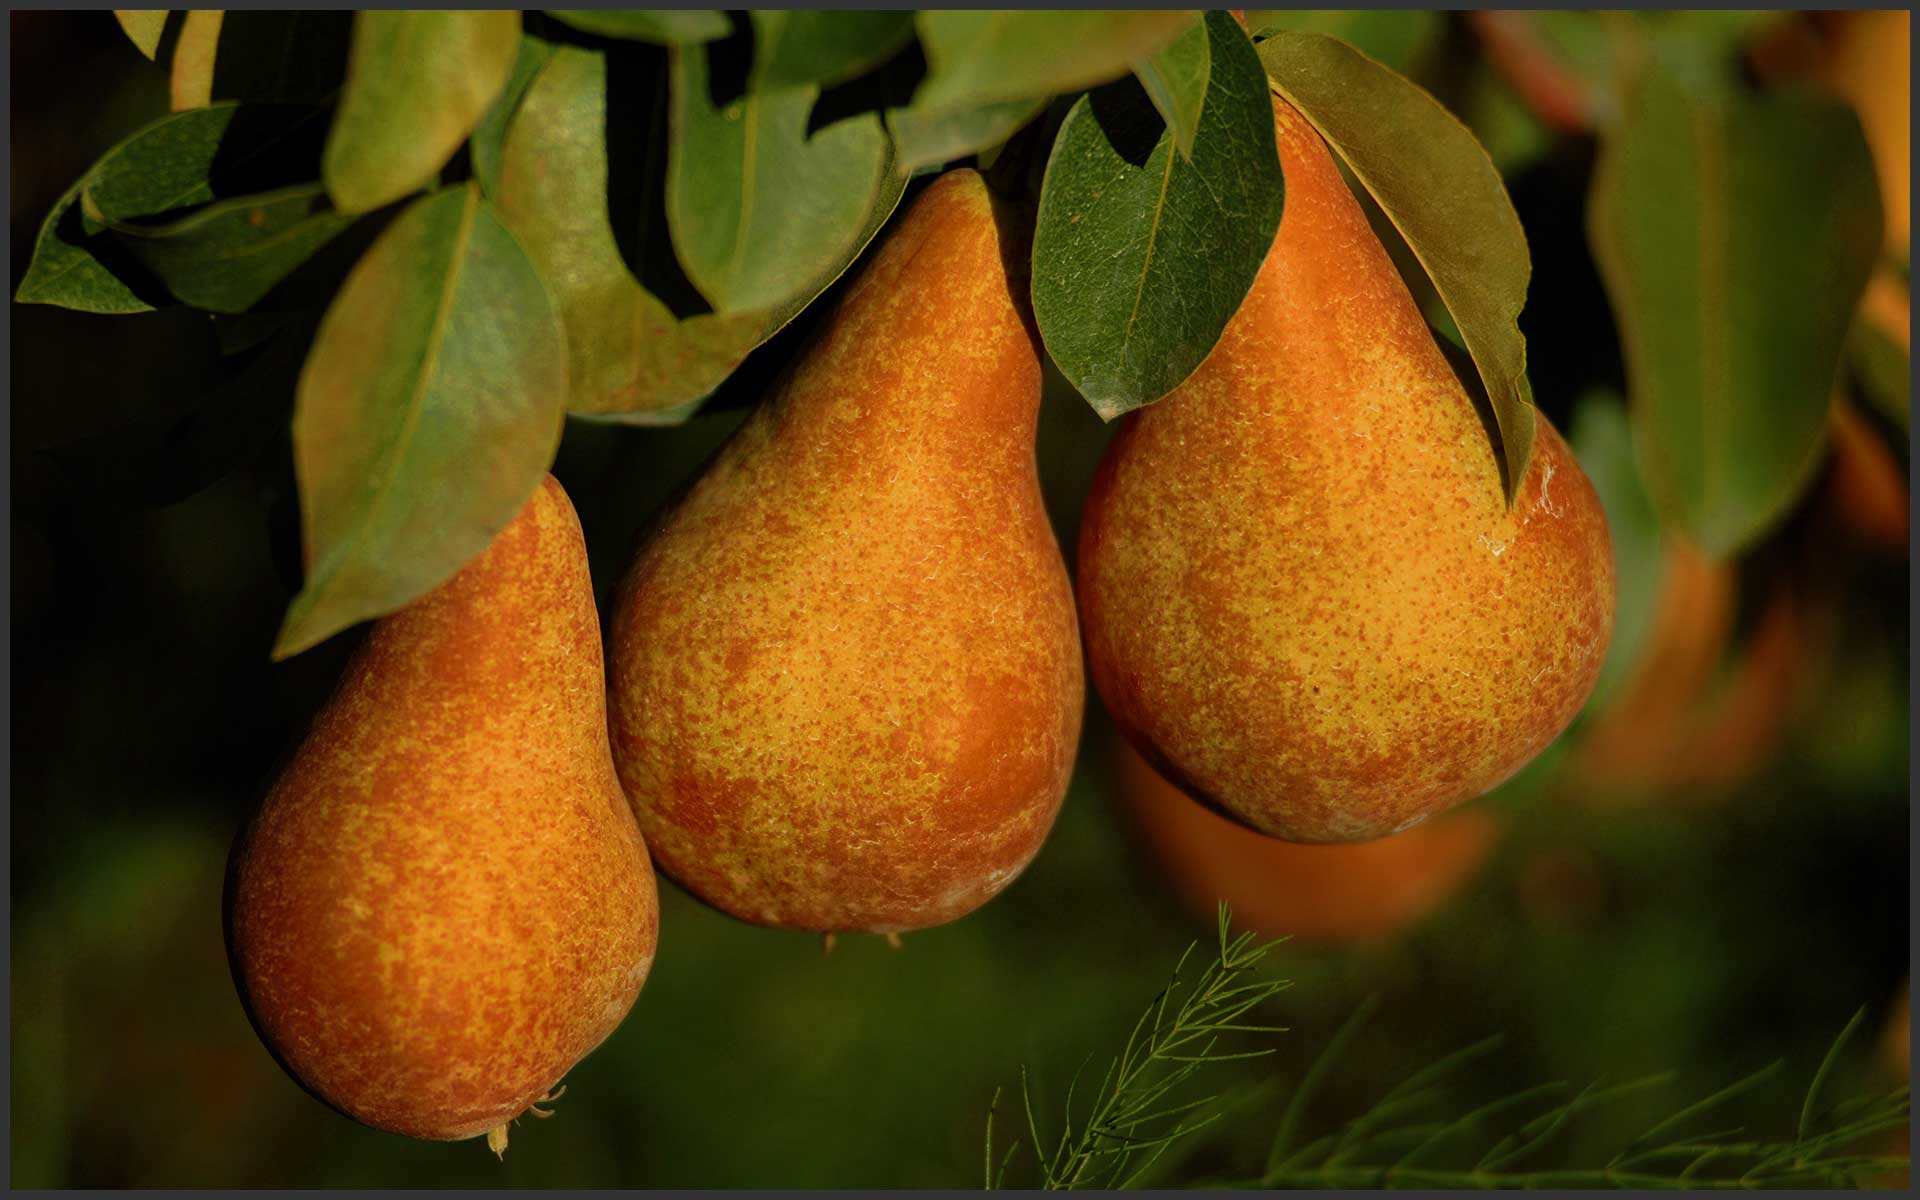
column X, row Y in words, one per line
column 1146, row 263
column 749, row 143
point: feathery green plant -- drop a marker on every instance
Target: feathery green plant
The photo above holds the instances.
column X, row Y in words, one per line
column 1397, row 1143
column 1131, row 1116
column 1387, row 1146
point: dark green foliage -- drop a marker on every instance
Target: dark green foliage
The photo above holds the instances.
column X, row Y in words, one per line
column 1142, row 255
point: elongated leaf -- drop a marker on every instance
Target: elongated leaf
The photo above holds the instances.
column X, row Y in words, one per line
column 1735, row 235
column 797, row 47
column 227, row 256
column 921, row 139
column 428, row 410
column 664, row 26
column 1176, row 82
column 758, row 209
column 164, row 167
column 980, row 56
column 190, row 84
column 143, row 26
column 629, row 353
column 1441, row 191
column 417, row 82
column 1141, row 257
column 491, row 131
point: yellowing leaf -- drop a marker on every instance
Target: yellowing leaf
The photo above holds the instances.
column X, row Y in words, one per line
column 417, row 82
column 191, row 82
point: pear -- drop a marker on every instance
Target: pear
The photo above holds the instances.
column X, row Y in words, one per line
column 443, row 902
column 1305, row 596
column 845, row 682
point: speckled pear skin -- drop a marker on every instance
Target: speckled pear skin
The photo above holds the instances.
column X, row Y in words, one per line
column 444, row 902
column 1305, row 597
column 846, row 676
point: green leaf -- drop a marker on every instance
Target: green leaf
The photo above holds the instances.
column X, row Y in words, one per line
column 144, row 26
column 980, row 56
column 227, row 256
column 797, row 47
column 757, row 207
column 1603, row 442
column 491, row 131
column 1441, row 191
column 922, row 139
column 1141, row 257
column 1735, row 234
column 630, row 354
column 417, row 82
column 66, row 269
column 665, row 26
column 428, row 410
column 1176, row 82
column 1388, row 36
column 167, row 166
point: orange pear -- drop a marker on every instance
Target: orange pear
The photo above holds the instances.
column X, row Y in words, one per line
column 1305, row 596
column 444, row 902
column 846, row 682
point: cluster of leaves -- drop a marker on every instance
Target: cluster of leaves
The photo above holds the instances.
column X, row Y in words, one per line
column 465, row 226
column 1398, row 1142
column 468, row 225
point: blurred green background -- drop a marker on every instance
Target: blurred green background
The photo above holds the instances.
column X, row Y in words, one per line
column 1709, row 872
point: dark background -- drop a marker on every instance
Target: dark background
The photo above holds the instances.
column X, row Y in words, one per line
column 1706, row 922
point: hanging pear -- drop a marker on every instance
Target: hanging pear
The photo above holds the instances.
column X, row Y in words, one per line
column 444, row 903
column 846, row 685
column 1306, row 598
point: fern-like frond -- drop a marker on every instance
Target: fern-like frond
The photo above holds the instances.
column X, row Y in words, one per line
column 1140, row 1109
column 1405, row 1139
column 1823, row 1151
